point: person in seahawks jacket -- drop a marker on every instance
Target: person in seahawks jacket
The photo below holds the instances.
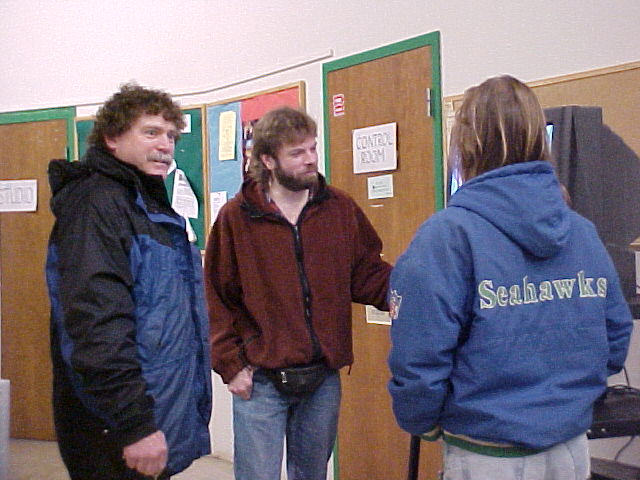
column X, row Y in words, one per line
column 507, row 312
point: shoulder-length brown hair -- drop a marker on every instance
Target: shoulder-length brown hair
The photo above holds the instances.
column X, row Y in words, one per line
column 499, row 123
column 283, row 125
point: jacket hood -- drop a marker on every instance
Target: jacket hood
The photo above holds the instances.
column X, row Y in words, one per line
column 524, row 201
column 63, row 173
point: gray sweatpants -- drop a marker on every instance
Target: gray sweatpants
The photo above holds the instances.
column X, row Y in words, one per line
column 565, row 461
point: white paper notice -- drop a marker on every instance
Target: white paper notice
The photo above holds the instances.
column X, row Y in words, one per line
column 227, row 137
column 377, row 316
column 217, row 200
column 18, row 195
column 374, row 148
column 184, row 201
column 187, row 123
column 380, row 186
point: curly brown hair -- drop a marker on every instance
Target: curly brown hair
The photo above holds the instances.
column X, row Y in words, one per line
column 284, row 125
column 121, row 111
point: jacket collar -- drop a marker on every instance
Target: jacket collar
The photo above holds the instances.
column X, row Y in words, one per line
column 100, row 160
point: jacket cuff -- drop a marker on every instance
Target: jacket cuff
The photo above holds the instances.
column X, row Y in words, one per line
column 230, row 369
column 132, row 433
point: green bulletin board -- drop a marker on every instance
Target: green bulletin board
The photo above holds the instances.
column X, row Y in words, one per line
column 188, row 155
column 83, row 129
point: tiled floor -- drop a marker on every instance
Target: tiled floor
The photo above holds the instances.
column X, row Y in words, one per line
column 34, row 460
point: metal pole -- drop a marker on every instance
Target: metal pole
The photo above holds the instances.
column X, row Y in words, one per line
column 414, row 457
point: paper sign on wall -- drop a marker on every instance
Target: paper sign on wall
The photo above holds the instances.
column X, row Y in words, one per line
column 217, row 200
column 184, row 200
column 18, row 195
column 377, row 316
column 380, row 186
column 227, row 140
column 187, row 123
column 374, row 148
column 338, row 105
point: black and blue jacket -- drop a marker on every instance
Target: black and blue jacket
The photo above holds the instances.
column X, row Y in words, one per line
column 507, row 315
column 128, row 323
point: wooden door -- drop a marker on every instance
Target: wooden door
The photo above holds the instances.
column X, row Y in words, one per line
column 25, row 149
column 383, row 90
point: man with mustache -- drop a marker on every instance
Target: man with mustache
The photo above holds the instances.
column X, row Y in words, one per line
column 284, row 260
column 131, row 369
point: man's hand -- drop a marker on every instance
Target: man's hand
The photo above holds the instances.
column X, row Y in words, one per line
column 148, row 456
column 242, row 383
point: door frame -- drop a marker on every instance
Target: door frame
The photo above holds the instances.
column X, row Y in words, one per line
column 430, row 39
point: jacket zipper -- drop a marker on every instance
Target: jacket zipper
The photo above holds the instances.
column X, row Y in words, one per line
column 306, row 291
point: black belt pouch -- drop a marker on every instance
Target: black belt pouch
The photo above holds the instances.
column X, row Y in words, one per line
column 298, row 380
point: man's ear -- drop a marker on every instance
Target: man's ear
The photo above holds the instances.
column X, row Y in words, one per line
column 268, row 161
column 111, row 143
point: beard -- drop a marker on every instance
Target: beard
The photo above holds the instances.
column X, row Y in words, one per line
column 293, row 182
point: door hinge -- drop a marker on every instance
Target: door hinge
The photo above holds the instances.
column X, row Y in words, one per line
column 428, row 101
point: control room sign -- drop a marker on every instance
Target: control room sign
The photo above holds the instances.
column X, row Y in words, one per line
column 374, row 148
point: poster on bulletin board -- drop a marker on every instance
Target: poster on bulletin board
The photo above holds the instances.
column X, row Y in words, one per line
column 230, row 135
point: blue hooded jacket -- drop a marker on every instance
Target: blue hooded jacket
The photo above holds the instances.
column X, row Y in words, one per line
column 507, row 315
column 129, row 332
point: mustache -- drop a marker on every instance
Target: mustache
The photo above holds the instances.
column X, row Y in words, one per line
column 161, row 157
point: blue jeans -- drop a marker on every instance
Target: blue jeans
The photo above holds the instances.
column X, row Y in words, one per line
column 261, row 423
column 566, row 461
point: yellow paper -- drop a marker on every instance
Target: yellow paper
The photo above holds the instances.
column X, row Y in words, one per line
column 227, row 140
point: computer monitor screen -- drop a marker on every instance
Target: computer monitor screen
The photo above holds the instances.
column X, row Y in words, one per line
column 454, row 178
column 549, row 133
column 454, row 181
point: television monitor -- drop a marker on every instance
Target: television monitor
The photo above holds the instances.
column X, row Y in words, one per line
column 602, row 176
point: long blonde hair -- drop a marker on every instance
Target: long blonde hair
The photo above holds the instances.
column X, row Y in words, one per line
column 499, row 123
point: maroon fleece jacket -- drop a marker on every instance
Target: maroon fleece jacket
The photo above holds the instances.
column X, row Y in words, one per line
column 258, row 266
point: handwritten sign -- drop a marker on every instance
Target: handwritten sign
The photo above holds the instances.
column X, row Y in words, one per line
column 18, row 195
column 374, row 148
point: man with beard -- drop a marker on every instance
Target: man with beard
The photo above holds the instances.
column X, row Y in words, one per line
column 131, row 368
column 284, row 260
